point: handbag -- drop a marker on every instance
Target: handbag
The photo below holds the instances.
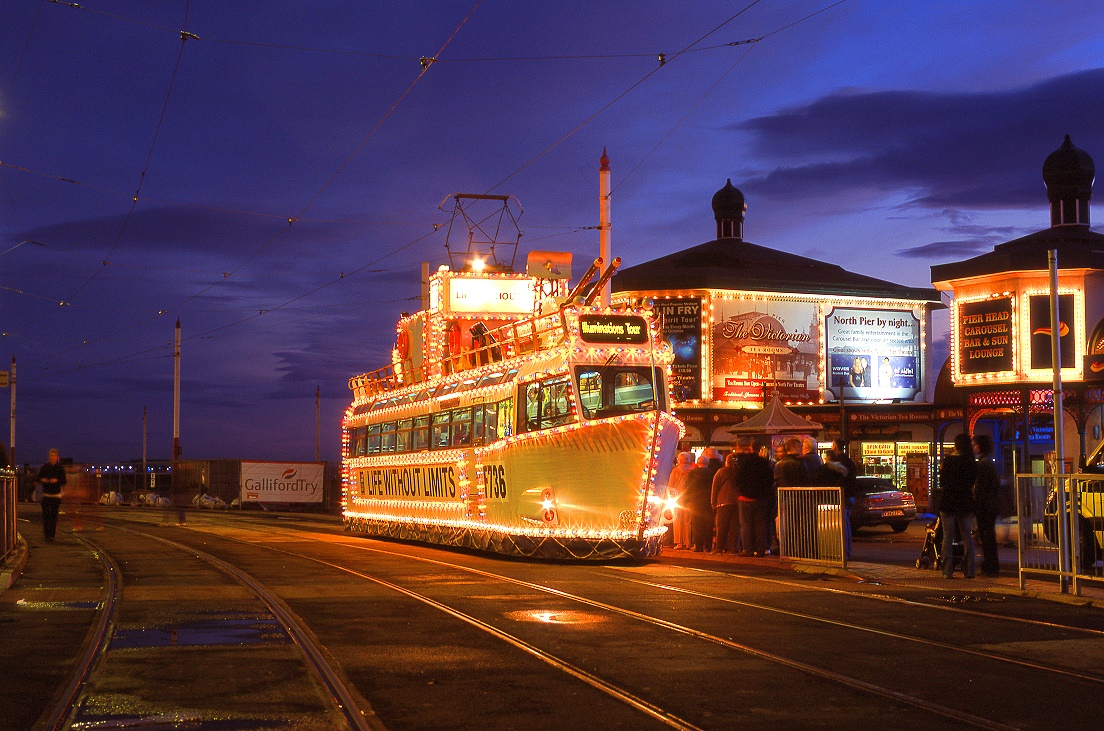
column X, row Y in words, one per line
column 37, row 494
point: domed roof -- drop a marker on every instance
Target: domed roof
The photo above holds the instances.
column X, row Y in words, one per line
column 1068, row 173
column 728, row 202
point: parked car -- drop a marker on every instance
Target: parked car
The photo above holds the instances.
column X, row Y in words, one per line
column 878, row 502
column 1090, row 524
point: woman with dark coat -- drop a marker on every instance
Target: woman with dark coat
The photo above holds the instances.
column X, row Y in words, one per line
column 986, row 492
column 956, row 506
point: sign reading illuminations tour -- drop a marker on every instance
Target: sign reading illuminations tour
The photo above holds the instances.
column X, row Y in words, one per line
column 763, row 342
column 1039, row 325
column 613, row 329
column 681, row 329
column 873, row 354
column 984, row 331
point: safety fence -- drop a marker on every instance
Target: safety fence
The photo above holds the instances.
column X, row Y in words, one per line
column 1061, row 528
column 8, row 486
column 811, row 525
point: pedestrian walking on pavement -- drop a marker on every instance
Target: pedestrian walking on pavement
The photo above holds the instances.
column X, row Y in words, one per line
column 956, row 505
column 986, row 498
column 676, row 489
column 52, row 478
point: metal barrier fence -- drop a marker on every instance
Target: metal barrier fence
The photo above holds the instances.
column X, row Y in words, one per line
column 811, row 525
column 8, row 486
column 1061, row 527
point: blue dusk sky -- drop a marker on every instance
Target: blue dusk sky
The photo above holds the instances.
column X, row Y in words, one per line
column 154, row 177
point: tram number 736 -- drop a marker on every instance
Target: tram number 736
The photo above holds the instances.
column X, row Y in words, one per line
column 494, row 477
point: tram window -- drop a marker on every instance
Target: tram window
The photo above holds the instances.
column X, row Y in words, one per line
column 547, row 403
column 491, row 379
column 478, row 412
column 446, row 389
column 505, row 414
column 387, row 442
column 440, row 435
column 606, row 391
column 373, row 439
column 402, row 443
column 359, row 441
column 461, row 427
column 466, row 385
column 420, row 436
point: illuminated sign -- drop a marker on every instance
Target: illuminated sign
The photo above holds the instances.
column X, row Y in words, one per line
column 681, row 321
column 873, row 354
column 1039, row 327
column 1094, row 367
column 491, row 296
column 759, row 341
column 985, row 336
column 613, row 329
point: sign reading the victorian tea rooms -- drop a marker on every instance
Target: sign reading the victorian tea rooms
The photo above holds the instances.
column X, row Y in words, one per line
column 985, row 336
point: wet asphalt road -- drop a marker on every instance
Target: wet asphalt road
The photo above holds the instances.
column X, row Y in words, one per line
column 430, row 638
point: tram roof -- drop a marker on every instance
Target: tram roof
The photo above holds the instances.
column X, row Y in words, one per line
column 734, row 264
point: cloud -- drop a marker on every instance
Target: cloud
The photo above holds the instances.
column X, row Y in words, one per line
column 966, row 150
column 972, row 239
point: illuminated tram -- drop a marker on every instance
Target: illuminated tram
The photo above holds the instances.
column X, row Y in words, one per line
column 516, row 418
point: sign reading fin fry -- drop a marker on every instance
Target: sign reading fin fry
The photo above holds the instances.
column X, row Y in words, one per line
column 281, row 482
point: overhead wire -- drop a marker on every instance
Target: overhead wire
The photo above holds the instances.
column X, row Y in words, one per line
column 710, row 90
column 622, row 95
column 184, row 35
column 313, row 199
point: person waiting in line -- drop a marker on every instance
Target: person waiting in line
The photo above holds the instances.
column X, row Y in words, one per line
column 850, row 489
column 52, row 478
column 790, row 471
column 699, row 484
column 754, row 490
column 986, row 499
column 676, row 490
column 809, row 455
column 956, row 505
column 724, row 503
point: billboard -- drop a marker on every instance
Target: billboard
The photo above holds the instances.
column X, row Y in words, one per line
column 281, row 482
column 984, row 336
column 762, row 343
column 873, row 354
column 681, row 329
column 1039, row 326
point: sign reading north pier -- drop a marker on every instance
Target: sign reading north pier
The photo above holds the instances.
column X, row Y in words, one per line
column 985, row 336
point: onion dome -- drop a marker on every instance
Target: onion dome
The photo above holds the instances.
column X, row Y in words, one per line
column 729, row 209
column 1068, row 174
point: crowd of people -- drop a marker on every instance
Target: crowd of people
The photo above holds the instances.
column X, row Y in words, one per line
column 730, row 502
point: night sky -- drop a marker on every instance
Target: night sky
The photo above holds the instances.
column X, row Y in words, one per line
column 881, row 136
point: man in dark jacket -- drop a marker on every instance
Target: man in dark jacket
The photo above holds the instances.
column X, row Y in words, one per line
column 986, row 493
column 755, row 488
column 52, row 477
column 699, row 485
column 956, row 505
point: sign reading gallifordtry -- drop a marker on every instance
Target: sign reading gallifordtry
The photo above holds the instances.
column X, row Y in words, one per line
column 984, row 336
column 873, row 353
column 281, row 482
column 761, row 343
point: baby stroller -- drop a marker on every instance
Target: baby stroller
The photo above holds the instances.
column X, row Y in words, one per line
column 931, row 555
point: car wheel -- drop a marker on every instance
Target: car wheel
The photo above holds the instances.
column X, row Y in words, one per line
column 899, row 527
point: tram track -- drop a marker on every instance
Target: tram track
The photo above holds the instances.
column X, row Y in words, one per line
column 95, row 644
column 854, row 683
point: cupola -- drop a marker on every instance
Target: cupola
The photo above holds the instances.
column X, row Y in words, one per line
column 729, row 209
column 1068, row 174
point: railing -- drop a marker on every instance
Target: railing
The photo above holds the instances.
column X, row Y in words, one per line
column 1060, row 528
column 491, row 346
column 8, row 486
column 811, row 525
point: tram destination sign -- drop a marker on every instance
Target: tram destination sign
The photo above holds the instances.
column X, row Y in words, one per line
column 605, row 329
column 985, row 336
